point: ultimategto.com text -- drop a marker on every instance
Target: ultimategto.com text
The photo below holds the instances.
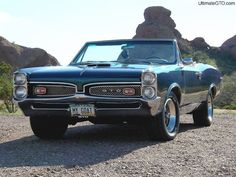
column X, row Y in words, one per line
column 216, row 3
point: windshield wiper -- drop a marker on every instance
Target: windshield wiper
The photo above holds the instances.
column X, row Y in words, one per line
column 149, row 61
column 137, row 61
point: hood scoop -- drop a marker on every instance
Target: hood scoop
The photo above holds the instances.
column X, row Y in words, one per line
column 88, row 64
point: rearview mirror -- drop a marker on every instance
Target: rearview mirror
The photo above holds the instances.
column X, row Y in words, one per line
column 187, row 61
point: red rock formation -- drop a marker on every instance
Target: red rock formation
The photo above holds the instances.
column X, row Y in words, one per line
column 229, row 46
column 199, row 43
column 157, row 24
column 19, row 56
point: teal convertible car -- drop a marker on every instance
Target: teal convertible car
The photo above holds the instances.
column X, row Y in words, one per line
column 119, row 81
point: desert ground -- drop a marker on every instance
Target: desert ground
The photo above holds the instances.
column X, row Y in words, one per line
column 119, row 150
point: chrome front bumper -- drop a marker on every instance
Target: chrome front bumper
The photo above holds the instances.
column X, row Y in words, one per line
column 27, row 107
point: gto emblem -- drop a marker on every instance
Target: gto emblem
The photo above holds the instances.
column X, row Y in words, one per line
column 40, row 90
column 111, row 90
column 129, row 91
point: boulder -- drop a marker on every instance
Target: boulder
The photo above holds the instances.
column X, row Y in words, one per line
column 159, row 24
column 199, row 43
column 19, row 56
column 154, row 31
column 229, row 47
column 159, row 15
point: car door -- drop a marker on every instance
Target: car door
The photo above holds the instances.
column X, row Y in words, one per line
column 192, row 83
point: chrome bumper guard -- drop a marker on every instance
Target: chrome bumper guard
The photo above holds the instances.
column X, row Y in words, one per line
column 154, row 104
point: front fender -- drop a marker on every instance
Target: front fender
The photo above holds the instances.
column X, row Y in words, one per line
column 176, row 89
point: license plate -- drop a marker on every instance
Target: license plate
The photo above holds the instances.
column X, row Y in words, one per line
column 86, row 110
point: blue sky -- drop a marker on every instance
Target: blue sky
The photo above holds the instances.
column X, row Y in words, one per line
column 61, row 27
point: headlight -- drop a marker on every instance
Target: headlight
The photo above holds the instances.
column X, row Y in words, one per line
column 20, row 92
column 20, row 78
column 149, row 92
column 149, row 78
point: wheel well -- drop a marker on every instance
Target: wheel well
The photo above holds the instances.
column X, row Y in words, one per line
column 177, row 93
column 213, row 91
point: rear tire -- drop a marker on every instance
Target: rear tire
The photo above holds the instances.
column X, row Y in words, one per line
column 203, row 116
column 165, row 126
column 48, row 127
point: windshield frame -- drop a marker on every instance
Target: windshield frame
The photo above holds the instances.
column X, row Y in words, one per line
column 120, row 42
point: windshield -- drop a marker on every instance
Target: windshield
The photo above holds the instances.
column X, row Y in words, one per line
column 147, row 52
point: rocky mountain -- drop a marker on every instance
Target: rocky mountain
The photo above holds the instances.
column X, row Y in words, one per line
column 19, row 56
column 159, row 24
column 229, row 46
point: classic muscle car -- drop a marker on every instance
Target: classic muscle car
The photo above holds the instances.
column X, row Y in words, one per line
column 119, row 81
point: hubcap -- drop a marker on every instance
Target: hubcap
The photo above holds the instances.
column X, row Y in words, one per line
column 209, row 108
column 170, row 115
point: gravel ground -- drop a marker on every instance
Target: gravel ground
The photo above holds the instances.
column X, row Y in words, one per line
column 108, row 150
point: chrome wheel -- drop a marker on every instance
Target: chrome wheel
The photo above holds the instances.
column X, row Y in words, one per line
column 165, row 125
column 209, row 108
column 170, row 115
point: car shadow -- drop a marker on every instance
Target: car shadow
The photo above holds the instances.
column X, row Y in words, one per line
column 188, row 126
column 82, row 146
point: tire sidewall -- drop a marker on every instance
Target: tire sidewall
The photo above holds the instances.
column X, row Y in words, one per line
column 48, row 127
column 172, row 134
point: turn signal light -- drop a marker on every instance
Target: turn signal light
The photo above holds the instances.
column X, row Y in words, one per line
column 40, row 90
column 129, row 91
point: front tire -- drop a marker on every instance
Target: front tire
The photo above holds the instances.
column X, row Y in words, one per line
column 203, row 116
column 48, row 127
column 165, row 126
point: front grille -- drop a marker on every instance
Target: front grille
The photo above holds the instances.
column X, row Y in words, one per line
column 55, row 90
column 114, row 90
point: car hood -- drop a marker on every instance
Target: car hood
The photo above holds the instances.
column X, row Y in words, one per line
column 81, row 75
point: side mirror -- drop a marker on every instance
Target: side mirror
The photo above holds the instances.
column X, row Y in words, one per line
column 187, row 61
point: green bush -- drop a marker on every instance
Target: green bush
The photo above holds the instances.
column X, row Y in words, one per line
column 227, row 98
column 6, row 89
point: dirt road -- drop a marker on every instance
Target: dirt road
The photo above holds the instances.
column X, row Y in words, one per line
column 105, row 150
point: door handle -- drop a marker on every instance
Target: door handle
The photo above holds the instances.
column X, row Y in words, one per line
column 198, row 74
